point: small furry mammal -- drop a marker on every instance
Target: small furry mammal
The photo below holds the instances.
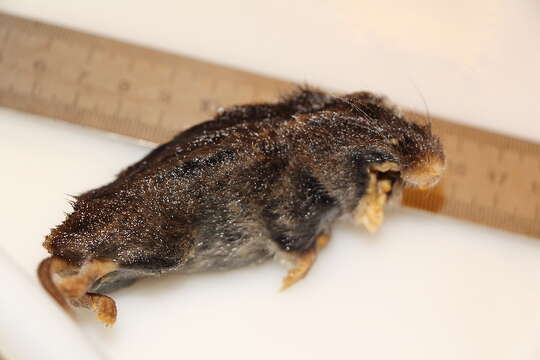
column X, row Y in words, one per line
column 257, row 182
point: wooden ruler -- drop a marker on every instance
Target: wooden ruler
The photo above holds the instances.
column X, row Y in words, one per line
column 152, row 95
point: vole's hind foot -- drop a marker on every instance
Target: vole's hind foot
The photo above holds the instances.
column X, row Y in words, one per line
column 322, row 241
column 304, row 262
column 77, row 285
column 102, row 305
column 73, row 287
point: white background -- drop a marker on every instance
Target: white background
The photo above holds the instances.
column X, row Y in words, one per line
column 424, row 287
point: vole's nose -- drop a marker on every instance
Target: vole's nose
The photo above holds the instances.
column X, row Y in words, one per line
column 426, row 174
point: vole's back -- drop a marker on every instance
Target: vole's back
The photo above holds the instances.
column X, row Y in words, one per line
column 222, row 199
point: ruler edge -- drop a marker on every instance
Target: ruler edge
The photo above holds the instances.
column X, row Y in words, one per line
column 128, row 48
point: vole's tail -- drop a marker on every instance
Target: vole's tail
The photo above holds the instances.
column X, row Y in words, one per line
column 46, row 269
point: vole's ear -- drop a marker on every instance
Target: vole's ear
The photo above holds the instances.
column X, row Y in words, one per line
column 423, row 121
column 307, row 98
column 368, row 98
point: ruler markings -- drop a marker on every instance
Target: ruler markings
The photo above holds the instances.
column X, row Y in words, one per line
column 491, row 179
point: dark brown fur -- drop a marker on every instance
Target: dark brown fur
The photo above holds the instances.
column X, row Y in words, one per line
column 256, row 180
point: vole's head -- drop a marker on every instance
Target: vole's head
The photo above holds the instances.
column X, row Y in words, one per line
column 407, row 147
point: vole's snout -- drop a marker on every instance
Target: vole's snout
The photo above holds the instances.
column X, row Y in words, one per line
column 426, row 173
